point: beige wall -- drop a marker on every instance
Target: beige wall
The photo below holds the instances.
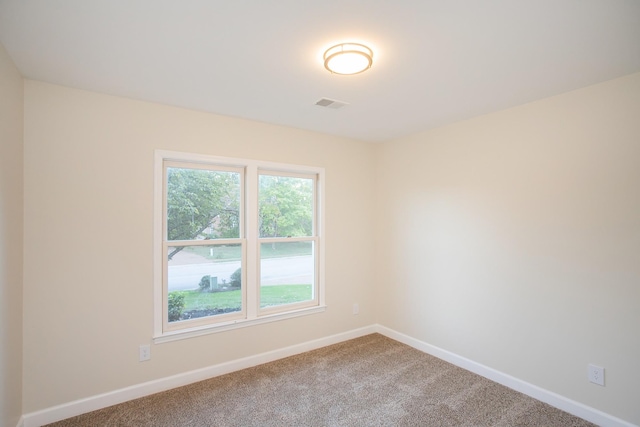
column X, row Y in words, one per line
column 11, row 150
column 88, row 239
column 513, row 239
column 510, row 239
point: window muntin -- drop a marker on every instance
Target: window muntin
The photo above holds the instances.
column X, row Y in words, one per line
column 233, row 235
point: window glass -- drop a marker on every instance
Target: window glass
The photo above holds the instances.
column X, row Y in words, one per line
column 202, row 204
column 286, row 273
column 285, row 206
column 204, row 281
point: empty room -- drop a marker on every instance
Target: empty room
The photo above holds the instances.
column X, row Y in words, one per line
column 346, row 213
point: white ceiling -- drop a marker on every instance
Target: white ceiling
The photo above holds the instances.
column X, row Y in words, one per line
column 435, row 61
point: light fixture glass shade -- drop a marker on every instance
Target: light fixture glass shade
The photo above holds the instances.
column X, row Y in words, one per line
column 348, row 58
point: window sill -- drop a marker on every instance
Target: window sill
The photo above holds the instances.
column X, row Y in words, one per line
column 235, row 324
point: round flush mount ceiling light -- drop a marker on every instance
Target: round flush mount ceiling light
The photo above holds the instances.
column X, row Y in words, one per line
column 348, row 58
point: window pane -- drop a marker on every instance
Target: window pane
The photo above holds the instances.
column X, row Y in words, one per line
column 202, row 204
column 286, row 273
column 285, row 206
column 204, row 281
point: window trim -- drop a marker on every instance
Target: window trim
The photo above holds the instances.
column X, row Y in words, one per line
column 249, row 235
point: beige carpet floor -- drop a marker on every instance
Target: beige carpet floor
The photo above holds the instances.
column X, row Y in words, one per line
column 368, row 381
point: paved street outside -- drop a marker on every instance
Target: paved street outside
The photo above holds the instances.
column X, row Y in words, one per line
column 186, row 270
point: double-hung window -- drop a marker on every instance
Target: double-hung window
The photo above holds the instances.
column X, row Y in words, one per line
column 238, row 242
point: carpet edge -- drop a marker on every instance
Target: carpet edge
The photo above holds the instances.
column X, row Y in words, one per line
column 557, row 401
column 103, row 400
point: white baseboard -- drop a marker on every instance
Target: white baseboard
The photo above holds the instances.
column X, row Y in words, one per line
column 71, row 409
column 578, row 409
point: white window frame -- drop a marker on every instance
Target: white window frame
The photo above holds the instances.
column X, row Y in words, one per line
column 251, row 313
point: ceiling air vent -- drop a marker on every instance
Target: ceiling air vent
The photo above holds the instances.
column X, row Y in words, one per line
column 331, row 103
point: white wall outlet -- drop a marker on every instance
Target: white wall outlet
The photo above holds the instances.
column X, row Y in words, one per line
column 145, row 352
column 356, row 308
column 595, row 374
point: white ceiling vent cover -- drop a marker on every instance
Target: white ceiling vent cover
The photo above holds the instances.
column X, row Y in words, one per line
column 331, row 103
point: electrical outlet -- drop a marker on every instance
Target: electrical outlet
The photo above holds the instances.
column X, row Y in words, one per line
column 145, row 352
column 595, row 374
column 356, row 308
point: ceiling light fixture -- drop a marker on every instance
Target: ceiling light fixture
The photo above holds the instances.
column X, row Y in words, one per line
column 348, row 58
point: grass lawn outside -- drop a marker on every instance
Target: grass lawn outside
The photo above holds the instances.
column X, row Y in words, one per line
column 267, row 250
column 269, row 296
